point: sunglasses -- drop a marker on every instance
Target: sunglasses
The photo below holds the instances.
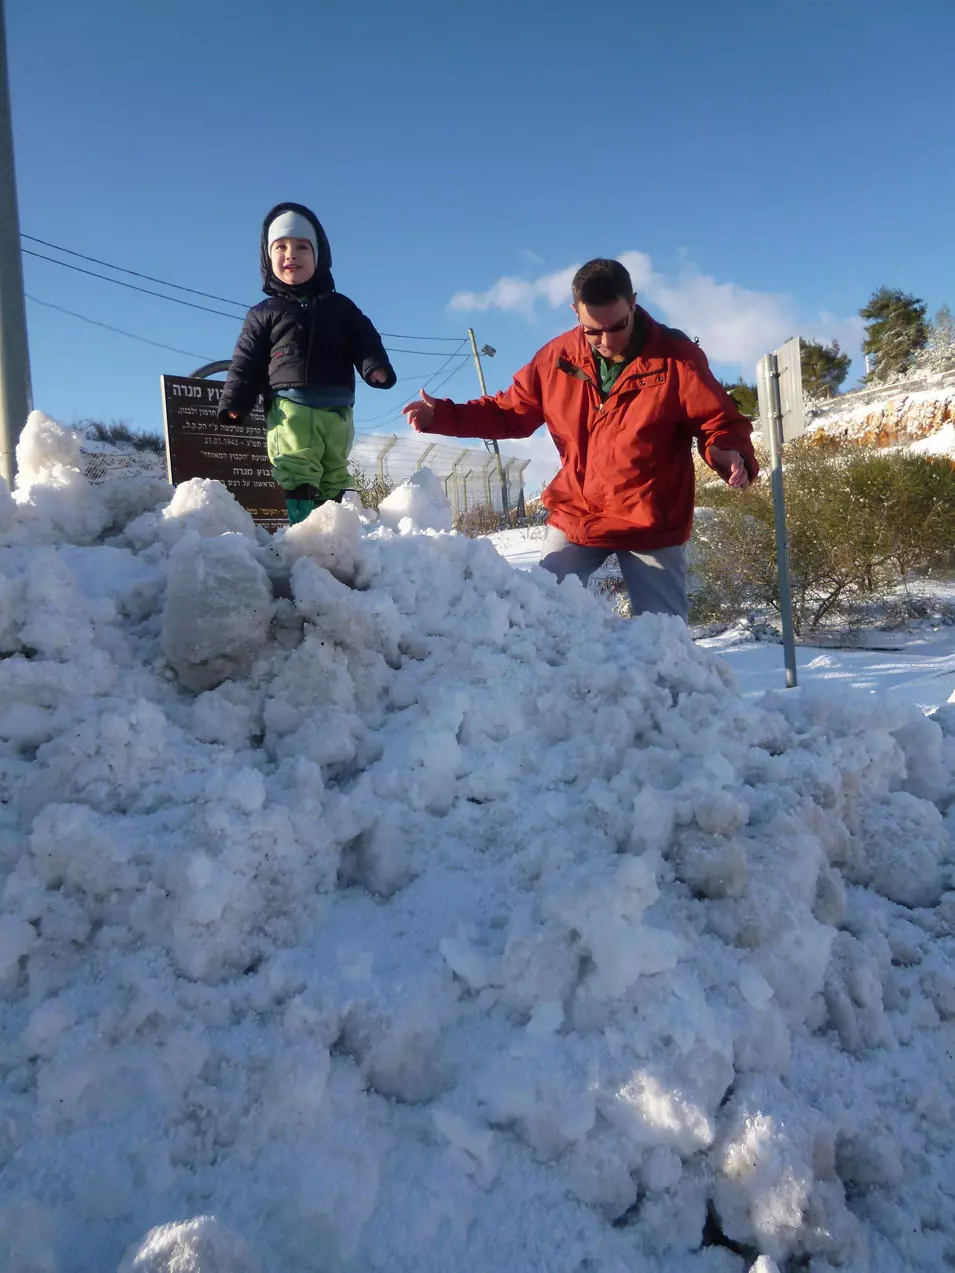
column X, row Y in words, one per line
column 608, row 331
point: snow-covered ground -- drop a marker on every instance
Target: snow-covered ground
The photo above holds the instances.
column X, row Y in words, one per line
column 369, row 904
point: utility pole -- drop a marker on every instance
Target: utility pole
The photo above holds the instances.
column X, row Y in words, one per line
column 494, row 446
column 15, row 391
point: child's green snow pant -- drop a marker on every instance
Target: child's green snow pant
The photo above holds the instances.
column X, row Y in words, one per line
column 309, row 447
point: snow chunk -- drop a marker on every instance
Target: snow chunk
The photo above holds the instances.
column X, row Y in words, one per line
column 44, row 447
column 217, row 611
column 418, row 504
column 16, row 939
column 329, row 536
column 209, row 508
column 778, row 1187
column 203, row 1245
column 608, row 917
column 201, row 505
column 57, row 501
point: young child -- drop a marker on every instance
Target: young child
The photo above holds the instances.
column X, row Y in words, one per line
column 299, row 349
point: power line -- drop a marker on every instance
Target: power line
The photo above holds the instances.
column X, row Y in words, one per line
column 425, row 353
column 400, row 336
column 391, row 414
column 190, row 353
column 159, row 344
column 125, row 270
column 132, row 286
column 179, row 287
column 396, row 415
column 451, row 374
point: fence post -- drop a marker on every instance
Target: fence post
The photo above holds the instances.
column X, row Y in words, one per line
column 424, row 455
column 381, row 456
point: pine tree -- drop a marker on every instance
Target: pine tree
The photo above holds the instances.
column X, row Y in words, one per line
column 824, row 368
column 939, row 352
column 745, row 397
column 896, row 332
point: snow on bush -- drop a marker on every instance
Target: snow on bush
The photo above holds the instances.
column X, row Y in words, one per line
column 431, row 917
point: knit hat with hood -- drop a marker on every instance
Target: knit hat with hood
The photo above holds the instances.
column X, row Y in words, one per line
column 321, row 280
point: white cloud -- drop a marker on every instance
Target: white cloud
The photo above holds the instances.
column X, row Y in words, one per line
column 733, row 324
column 517, row 295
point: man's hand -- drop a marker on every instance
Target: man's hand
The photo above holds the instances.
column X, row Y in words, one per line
column 732, row 462
column 378, row 376
column 420, row 414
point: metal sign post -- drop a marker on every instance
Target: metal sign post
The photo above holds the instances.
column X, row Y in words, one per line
column 779, row 385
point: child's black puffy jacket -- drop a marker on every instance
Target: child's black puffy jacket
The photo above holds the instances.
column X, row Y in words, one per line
column 302, row 336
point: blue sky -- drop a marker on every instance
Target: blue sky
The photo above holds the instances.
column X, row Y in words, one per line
column 763, row 166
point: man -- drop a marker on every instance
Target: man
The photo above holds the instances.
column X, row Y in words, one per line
column 624, row 398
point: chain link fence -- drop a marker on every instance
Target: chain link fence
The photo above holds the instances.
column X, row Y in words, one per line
column 100, row 466
column 470, row 476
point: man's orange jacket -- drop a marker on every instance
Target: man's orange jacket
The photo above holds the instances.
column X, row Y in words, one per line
column 626, row 478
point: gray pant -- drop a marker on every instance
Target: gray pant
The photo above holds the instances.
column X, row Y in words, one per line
column 656, row 581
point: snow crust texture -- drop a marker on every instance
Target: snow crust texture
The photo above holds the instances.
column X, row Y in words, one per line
column 369, row 905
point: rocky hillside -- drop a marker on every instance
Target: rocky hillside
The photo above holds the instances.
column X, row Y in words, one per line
column 892, row 416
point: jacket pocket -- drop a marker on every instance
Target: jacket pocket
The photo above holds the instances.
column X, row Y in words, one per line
column 282, row 356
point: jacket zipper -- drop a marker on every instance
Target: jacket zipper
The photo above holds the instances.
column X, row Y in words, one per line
column 311, row 332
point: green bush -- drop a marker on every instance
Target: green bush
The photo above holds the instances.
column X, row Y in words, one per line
column 371, row 489
column 859, row 522
column 119, row 431
column 479, row 520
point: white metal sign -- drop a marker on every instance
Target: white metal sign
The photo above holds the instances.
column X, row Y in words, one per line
column 789, row 364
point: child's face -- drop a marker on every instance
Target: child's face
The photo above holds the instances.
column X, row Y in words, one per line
column 292, row 260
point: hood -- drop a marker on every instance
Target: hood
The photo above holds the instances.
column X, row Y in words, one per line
column 321, row 280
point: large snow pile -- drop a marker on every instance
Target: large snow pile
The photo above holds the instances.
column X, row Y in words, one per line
column 370, row 905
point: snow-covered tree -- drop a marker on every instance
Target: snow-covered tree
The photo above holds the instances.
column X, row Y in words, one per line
column 939, row 352
column 896, row 332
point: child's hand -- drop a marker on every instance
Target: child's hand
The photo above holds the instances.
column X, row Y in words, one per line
column 378, row 376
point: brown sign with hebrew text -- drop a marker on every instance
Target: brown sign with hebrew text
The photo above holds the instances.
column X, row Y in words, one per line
column 198, row 445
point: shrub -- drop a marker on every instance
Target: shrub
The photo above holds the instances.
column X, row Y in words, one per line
column 120, row 432
column 371, row 489
column 858, row 521
column 479, row 520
